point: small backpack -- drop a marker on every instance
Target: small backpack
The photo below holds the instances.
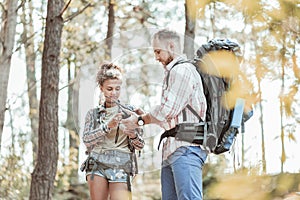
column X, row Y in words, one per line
column 218, row 131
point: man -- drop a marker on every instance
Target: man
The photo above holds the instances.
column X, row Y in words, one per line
column 181, row 173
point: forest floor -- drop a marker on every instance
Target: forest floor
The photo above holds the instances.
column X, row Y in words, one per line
column 272, row 187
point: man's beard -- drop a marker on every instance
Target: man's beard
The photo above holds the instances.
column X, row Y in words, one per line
column 170, row 59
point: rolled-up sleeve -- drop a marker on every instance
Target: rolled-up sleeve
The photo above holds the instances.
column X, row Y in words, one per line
column 93, row 133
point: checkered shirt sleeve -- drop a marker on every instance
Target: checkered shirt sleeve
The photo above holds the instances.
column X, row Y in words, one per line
column 93, row 133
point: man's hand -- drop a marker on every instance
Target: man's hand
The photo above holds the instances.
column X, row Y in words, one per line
column 139, row 111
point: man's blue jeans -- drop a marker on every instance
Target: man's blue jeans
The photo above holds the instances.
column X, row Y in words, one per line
column 181, row 174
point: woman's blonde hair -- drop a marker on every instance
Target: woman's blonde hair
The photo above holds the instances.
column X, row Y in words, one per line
column 108, row 71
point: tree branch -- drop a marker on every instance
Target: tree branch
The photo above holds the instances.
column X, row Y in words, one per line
column 2, row 6
column 21, row 5
column 77, row 13
column 65, row 8
column 68, row 85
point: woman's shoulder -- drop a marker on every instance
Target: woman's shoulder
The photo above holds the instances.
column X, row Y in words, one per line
column 97, row 109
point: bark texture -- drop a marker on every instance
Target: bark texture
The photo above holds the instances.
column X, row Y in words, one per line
column 45, row 170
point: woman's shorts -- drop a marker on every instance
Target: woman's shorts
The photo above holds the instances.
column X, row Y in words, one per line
column 111, row 175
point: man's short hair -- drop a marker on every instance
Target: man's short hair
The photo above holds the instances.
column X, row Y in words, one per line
column 165, row 35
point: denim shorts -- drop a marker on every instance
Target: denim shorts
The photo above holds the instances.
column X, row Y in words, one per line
column 111, row 175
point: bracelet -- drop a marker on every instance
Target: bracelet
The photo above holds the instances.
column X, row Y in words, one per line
column 136, row 136
column 105, row 128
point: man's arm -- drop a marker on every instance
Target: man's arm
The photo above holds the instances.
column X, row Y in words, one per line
column 132, row 121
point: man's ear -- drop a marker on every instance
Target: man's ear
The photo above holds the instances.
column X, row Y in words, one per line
column 171, row 46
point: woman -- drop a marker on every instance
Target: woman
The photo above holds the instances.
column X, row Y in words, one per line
column 111, row 162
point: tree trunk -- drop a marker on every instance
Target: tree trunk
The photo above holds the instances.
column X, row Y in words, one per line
column 283, row 62
column 263, row 151
column 28, row 41
column 45, row 170
column 261, row 118
column 110, row 29
column 7, row 40
column 190, row 21
column 212, row 9
column 72, row 117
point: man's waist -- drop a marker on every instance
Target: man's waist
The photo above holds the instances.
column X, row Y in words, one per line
column 189, row 132
column 171, row 145
column 188, row 126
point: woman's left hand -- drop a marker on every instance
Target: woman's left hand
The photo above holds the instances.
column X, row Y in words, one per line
column 115, row 121
column 131, row 122
column 131, row 133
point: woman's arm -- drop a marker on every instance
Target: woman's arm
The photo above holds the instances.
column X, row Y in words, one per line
column 93, row 133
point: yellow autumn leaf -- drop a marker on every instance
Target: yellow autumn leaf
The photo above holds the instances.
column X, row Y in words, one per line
column 220, row 63
column 292, row 137
column 276, row 14
column 296, row 69
column 191, row 9
column 240, row 88
column 289, row 99
column 283, row 156
column 239, row 186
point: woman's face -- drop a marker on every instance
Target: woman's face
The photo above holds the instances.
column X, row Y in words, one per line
column 111, row 89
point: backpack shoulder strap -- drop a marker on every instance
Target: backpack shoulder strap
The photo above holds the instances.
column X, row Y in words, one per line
column 188, row 106
column 194, row 112
column 179, row 62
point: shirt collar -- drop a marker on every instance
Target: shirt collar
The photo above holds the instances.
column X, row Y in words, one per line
column 173, row 62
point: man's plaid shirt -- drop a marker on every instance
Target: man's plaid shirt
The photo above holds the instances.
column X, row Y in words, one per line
column 184, row 87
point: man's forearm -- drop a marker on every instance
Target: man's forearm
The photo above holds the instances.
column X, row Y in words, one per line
column 149, row 119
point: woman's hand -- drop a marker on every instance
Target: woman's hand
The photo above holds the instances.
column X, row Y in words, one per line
column 131, row 133
column 131, row 122
column 114, row 121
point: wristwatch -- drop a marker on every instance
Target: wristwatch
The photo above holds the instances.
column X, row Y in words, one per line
column 140, row 121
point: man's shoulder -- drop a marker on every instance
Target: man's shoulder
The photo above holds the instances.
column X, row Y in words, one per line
column 183, row 61
column 183, row 65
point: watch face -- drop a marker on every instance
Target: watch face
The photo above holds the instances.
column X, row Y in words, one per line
column 140, row 122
